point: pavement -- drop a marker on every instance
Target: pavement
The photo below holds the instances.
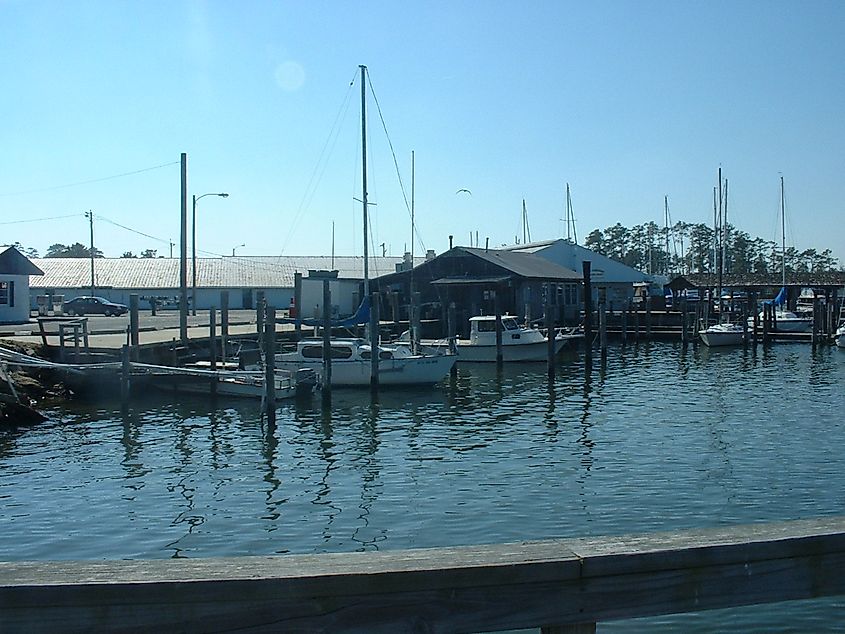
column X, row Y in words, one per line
column 112, row 332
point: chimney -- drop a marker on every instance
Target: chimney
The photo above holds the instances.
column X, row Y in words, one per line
column 429, row 254
column 450, row 242
column 486, row 243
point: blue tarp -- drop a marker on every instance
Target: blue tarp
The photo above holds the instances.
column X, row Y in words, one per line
column 361, row 316
column 780, row 300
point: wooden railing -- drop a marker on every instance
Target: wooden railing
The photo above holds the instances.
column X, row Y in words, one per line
column 562, row 585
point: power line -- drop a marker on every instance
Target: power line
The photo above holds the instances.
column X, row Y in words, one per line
column 14, row 222
column 87, row 182
column 140, row 233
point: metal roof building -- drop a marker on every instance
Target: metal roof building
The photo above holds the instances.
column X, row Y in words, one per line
column 117, row 278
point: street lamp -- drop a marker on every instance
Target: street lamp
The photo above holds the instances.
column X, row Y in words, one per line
column 237, row 247
column 194, row 250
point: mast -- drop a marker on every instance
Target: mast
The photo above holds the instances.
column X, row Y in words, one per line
column 364, row 177
column 666, row 222
column 721, row 244
column 411, row 320
column 782, row 234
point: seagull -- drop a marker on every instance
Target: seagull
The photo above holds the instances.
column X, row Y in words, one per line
column 464, row 190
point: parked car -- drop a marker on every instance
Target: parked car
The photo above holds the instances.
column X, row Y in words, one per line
column 88, row 305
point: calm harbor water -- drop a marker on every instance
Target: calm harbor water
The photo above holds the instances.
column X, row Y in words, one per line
column 662, row 438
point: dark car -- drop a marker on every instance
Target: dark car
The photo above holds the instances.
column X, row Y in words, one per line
column 88, row 305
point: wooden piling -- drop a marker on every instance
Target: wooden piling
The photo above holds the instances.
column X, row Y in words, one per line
column 327, row 341
column 212, row 337
column 297, row 304
column 684, row 321
column 270, row 364
column 260, row 310
column 452, row 330
column 588, row 307
column 603, row 329
column 374, row 341
column 623, row 315
column 648, row 317
column 224, row 326
column 548, row 317
column 125, row 372
column 133, row 324
column 498, row 309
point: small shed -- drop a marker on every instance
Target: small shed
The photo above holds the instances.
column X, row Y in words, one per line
column 15, row 269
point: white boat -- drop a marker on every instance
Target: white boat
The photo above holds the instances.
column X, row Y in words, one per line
column 352, row 363
column 839, row 337
column 723, row 335
column 519, row 342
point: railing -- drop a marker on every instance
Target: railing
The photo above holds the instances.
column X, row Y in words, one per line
column 562, row 585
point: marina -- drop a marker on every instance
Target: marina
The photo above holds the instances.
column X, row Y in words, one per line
column 659, row 438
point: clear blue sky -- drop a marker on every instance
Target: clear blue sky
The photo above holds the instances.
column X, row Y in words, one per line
column 626, row 101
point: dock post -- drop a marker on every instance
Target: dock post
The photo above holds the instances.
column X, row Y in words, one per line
column 623, row 315
column 549, row 319
column 270, row 364
column 212, row 337
column 124, row 376
column 816, row 319
column 588, row 307
column 451, row 334
column 684, row 322
column 648, row 317
column 297, row 304
column 374, row 341
column 133, row 324
column 752, row 306
column 260, row 308
column 416, row 325
column 394, row 309
column 327, row 345
column 603, row 329
column 498, row 309
column 224, row 325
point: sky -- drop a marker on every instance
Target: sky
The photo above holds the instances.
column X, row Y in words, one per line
column 627, row 102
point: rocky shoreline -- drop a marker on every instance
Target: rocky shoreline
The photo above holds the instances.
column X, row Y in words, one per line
column 22, row 389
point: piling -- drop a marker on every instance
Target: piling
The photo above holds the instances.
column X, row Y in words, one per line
column 416, row 321
column 816, row 318
column 212, row 347
column 260, row 309
column 270, row 364
column 327, row 342
column 548, row 317
column 588, row 307
column 603, row 329
column 451, row 327
column 297, row 304
column 374, row 341
column 125, row 372
column 498, row 309
column 133, row 324
column 623, row 315
column 752, row 303
column 224, row 325
column 648, row 317
column 684, row 322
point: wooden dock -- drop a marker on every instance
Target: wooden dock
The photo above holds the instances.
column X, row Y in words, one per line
column 565, row 585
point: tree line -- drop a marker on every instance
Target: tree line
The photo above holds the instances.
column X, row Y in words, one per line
column 79, row 250
column 687, row 248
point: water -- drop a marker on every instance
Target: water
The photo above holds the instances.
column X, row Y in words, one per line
column 661, row 439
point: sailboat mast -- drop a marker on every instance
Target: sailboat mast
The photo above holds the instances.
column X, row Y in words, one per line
column 720, row 243
column 411, row 302
column 782, row 234
column 364, row 177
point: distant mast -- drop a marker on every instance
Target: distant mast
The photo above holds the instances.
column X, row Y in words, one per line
column 782, row 233
column 571, row 234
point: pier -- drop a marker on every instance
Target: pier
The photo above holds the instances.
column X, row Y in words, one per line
column 562, row 585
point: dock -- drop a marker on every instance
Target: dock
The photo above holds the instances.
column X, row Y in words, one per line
column 562, row 585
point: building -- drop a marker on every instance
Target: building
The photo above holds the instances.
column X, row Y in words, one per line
column 242, row 277
column 482, row 281
column 15, row 271
column 612, row 281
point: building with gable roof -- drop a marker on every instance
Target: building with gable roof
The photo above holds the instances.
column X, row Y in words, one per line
column 15, row 269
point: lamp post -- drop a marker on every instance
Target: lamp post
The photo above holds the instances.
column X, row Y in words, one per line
column 194, row 249
column 237, row 247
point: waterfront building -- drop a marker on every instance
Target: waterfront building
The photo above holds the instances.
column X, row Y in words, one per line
column 15, row 272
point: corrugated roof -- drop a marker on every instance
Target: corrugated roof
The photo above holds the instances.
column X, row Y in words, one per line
column 525, row 265
column 225, row 272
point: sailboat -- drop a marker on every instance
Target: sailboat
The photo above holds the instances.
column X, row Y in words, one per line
column 352, row 362
column 724, row 333
column 785, row 320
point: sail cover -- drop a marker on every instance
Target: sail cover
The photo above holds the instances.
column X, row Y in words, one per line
column 361, row 316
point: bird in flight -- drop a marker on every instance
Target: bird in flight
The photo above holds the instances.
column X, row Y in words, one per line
column 464, row 190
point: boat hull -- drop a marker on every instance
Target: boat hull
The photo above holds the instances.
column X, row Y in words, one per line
column 840, row 337
column 480, row 353
column 405, row 371
column 714, row 337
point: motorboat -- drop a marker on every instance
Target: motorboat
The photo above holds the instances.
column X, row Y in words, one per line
column 519, row 342
column 723, row 335
column 235, row 383
column 351, row 363
column 839, row 337
column 786, row 321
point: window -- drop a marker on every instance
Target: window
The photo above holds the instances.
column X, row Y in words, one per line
column 316, row 352
column 4, row 293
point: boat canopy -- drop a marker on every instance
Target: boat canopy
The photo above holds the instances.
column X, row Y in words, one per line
column 361, row 316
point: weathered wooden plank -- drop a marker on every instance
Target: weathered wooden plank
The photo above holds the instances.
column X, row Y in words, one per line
column 507, row 586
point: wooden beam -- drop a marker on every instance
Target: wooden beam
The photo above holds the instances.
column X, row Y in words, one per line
column 547, row 584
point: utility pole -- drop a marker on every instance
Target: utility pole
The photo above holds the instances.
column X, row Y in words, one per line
column 90, row 217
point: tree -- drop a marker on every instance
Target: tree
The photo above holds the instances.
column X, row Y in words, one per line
column 148, row 253
column 27, row 251
column 76, row 250
column 128, row 254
